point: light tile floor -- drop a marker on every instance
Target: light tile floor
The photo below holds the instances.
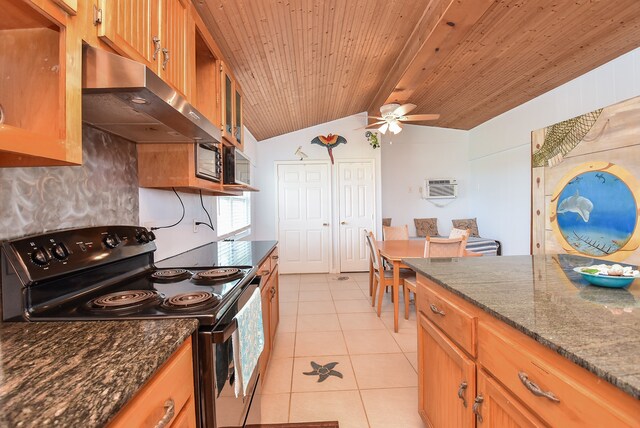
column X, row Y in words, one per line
column 329, row 321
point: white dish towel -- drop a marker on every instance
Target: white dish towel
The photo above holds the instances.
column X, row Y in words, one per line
column 248, row 342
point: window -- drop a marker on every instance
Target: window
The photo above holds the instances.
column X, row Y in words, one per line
column 234, row 214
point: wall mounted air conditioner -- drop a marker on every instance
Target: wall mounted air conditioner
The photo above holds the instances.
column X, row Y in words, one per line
column 443, row 188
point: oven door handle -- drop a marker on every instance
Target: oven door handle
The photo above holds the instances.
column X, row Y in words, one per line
column 221, row 336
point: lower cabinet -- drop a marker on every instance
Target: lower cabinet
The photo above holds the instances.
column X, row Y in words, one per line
column 270, row 292
column 167, row 400
column 476, row 371
column 496, row 407
column 446, row 382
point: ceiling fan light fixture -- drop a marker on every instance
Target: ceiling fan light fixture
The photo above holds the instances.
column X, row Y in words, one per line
column 395, row 127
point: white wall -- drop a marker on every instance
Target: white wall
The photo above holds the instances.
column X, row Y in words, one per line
column 283, row 147
column 418, row 153
column 162, row 208
column 499, row 151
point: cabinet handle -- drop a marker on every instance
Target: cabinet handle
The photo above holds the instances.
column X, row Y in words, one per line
column 343, row 223
column 325, row 224
column 476, row 407
column 535, row 389
column 165, row 53
column 275, row 257
column 265, row 272
column 169, row 411
column 461, row 391
column 156, row 47
column 435, row 309
column 273, row 292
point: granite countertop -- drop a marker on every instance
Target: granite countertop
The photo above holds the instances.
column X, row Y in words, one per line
column 596, row 328
column 80, row 373
column 224, row 253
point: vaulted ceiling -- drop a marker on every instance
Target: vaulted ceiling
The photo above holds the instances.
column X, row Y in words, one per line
column 305, row 62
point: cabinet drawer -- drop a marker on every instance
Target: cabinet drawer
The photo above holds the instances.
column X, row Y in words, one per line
column 171, row 387
column 576, row 398
column 455, row 322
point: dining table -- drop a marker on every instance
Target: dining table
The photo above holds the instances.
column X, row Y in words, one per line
column 393, row 252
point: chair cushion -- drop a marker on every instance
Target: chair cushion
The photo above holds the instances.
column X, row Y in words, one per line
column 426, row 226
column 467, row 223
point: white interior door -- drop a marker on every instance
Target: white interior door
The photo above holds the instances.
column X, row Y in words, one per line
column 304, row 210
column 356, row 185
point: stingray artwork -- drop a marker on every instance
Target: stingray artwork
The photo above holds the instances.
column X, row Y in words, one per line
column 330, row 141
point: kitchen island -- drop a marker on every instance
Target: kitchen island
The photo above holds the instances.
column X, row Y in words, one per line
column 495, row 314
column 80, row 373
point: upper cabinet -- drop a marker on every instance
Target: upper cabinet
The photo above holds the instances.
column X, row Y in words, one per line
column 231, row 100
column 40, row 78
column 152, row 32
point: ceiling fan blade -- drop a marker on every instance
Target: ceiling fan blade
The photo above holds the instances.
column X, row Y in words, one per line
column 384, row 127
column 421, row 117
column 373, row 125
column 404, row 109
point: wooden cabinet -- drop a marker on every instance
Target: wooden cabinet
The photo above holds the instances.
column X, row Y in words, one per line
column 169, row 396
column 153, row 32
column 497, row 408
column 231, row 112
column 520, row 383
column 446, row 381
column 40, row 84
column 163, row 166
column 269, row 286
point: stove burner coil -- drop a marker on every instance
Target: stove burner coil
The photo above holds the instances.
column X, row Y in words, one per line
column 191, row 300
column 125, row 300
column 216, row 275
column 170, row 275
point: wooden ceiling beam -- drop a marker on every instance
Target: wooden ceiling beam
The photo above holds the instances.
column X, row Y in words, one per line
column 442, row 27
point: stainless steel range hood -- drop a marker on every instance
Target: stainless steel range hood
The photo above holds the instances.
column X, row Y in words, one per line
column 126, row 98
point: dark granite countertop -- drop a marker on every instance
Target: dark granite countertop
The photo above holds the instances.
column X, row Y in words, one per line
column 597, row 328
column 72, row 374
column 223, row 253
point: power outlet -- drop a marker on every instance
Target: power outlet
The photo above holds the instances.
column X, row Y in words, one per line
column 195, row 226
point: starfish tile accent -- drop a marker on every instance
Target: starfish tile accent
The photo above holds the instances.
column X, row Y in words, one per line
column 324, row 371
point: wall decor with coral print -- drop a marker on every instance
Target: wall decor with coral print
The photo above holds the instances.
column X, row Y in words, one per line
column 586, row 185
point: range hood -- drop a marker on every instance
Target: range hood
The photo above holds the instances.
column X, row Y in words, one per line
column 126, row 98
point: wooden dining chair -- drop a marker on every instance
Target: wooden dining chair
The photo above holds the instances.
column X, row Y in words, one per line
column 382, row 278
column 395, row 233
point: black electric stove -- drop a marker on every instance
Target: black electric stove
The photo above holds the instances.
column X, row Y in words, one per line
column 107, row 273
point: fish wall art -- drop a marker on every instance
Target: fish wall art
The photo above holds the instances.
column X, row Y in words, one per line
column 586, row 186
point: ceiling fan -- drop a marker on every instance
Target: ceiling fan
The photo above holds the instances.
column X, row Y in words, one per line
column 394, row 115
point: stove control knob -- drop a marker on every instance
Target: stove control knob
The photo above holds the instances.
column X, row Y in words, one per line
column 111, row 241
column 40, row 256
column 142, row 236
column 152, row 236
column 60, row 251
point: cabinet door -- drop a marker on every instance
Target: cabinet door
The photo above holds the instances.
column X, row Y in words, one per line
column 266, row 352
column 274, row 311
column 446, row 379
column 238, row 130
column 130, row 27
column 498, row 408
column 174, row 28
column 227, row 98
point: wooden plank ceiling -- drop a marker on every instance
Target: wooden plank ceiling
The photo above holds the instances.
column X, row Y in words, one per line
column 305, row 62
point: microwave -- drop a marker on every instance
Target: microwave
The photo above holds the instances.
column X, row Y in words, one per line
column 237, row 168
column 208, row 162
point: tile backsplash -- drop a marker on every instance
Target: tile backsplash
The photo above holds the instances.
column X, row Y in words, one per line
column 104, row 190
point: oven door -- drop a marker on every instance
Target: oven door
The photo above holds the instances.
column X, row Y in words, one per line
column 208, row 162
column 220, row 408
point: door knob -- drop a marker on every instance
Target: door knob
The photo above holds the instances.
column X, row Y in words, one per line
column 343, row 223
